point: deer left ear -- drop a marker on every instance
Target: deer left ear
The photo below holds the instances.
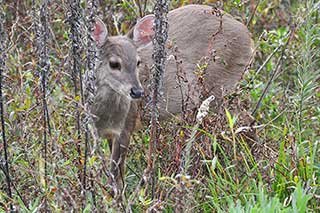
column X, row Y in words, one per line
column 100, row 32
column 143, row 33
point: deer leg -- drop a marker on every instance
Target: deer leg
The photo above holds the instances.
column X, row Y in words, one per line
column 120, row 146
column 119, row 150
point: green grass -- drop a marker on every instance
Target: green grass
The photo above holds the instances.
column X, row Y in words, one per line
column 269, row 162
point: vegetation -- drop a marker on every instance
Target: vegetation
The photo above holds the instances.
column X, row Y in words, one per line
column 259, row 152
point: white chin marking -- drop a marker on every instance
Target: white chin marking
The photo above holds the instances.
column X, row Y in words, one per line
column 121, row 90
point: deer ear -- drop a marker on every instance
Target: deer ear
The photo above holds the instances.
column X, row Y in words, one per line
column 143, row 33
column 99, row 32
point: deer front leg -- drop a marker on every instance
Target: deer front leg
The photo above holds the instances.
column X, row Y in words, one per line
column 118, row 154
column 119, row 149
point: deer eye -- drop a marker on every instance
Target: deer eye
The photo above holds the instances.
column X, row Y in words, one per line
column 138, row 63
column 115, row 65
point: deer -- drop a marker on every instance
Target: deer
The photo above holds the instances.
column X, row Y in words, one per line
column 125, row 61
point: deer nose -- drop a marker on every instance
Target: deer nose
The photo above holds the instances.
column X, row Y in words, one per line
column 136, row 92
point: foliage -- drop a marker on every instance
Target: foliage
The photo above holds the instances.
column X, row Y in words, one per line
column 267, row 161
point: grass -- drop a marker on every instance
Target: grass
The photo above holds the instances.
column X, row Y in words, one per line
column 237, row 161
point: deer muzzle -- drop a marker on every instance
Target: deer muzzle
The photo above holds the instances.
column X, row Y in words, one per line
column 136, row 92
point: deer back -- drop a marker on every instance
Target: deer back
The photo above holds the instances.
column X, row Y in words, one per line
column 199, row 39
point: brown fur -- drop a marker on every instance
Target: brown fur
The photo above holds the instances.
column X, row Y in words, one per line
column 191, row 30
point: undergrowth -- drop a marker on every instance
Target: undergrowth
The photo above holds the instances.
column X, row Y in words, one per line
column 258, row 151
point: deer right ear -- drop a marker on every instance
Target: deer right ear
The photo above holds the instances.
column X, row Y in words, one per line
column 99, row 32
column 143, row 32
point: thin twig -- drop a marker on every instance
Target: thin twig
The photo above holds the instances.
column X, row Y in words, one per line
column 74, row 21
column 274, row 72
column 4, row 139
column 42, row 35
column 253, row 13
column 159, row 55
column 88, row 93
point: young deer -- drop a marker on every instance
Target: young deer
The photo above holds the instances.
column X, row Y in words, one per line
column 195, row 31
